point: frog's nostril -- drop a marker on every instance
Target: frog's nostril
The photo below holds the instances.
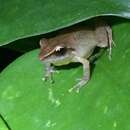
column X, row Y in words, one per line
column 41, row 57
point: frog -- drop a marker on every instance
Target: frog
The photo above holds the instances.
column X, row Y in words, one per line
column 75, row 44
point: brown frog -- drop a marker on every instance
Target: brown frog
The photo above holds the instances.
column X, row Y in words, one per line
column 75, row 44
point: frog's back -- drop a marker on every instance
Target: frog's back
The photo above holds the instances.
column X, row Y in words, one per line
column 88, row 38
column 85, row 42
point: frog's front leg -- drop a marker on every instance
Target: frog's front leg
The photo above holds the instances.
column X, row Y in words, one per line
column 86, row 73
column 49, row 70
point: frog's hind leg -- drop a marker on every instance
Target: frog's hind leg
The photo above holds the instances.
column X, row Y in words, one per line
column 103, row 33
column 86, row 73
column 110, row 40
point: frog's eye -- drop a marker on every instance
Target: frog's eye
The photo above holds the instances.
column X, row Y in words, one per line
column 60, row 50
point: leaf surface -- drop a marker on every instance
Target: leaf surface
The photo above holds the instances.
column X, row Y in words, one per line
column 103, row 104
column 20, row 19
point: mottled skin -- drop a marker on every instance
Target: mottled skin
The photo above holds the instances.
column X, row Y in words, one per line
column 75, row 45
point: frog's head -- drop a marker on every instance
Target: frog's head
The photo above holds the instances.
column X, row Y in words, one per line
column 55, row 53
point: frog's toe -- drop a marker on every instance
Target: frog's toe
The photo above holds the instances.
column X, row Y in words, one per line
column 44, row 79
column 48, row 78
column 55, row 71
column 79, row 85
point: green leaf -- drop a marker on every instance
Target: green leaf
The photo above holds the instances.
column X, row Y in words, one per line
column 19, row 19
column 28, row 103
column 3, row 125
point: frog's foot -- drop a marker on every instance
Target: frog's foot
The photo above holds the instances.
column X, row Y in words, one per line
column 49, row 74
column 110, row 50
column 79, row 85
column 48, row 77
